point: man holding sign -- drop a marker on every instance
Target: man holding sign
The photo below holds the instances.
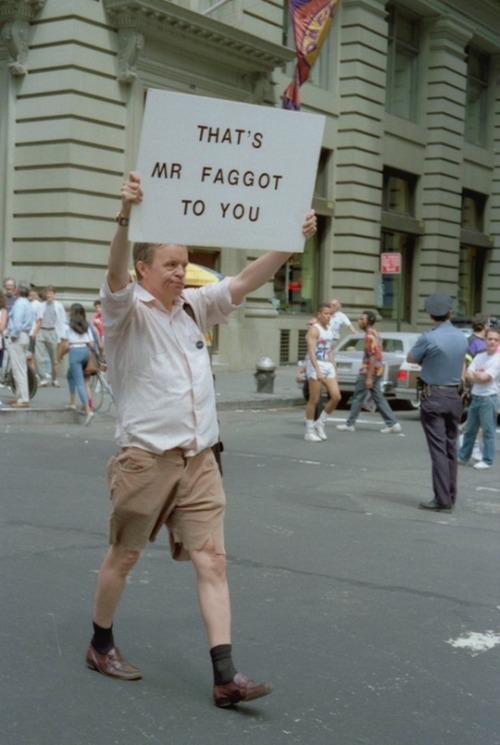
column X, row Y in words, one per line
column 165, row 472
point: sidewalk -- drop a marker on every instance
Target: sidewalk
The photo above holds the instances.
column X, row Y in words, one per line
column 234, row 390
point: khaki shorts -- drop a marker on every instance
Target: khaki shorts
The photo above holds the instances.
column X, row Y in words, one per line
column 149, row 491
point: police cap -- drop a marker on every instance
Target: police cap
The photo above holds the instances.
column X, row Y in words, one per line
column 439, row 304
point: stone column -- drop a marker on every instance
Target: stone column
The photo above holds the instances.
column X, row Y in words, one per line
column 441, row 182
column 359, row 151
column 492, row 289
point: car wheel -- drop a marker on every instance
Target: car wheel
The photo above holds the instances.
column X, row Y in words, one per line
column 412, row 404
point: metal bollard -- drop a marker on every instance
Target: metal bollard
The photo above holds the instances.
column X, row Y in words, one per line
column 264, row 376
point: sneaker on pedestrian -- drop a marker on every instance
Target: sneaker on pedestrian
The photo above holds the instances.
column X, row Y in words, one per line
column 319, row 429
column 43, row 383
column 56, row 384
column 462, row 462
column 346, row 427
column 312, row 437
column 89, row 418
column 477, row 454
column 70, row 406
column 391, row 430
column 481, row 465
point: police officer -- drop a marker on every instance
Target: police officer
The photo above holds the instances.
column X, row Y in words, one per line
column 441, row 353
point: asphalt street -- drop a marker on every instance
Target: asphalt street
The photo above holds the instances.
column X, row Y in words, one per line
column 378, row 623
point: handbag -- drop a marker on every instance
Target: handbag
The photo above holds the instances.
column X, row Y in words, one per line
column 92, row 364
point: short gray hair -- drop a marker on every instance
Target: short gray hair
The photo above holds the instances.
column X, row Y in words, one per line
column 23, row 288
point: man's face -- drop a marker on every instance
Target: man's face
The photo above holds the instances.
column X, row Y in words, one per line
column 164, row 278
column 50, row 296
column 324, row 315
column 363, row 322
column 334, row 306
column 10, row 287
column 492, row 341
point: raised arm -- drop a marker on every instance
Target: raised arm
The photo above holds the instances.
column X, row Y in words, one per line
column 119, row 252
column 261, row 270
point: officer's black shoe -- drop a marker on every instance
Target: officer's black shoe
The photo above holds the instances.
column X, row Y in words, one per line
column 434, row 506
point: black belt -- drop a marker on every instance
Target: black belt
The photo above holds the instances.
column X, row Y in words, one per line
column 446, row 387
column 48, row 328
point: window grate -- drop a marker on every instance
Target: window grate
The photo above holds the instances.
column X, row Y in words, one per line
column 302, row 345
column 284, row 346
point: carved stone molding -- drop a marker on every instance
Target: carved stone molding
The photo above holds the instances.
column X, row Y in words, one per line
column 15, row 19
column 130, row 43
column 15, row 38
column 180, row 28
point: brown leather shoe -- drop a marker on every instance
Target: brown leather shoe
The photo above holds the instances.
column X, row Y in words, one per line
column 112, row 664
column 239, row 689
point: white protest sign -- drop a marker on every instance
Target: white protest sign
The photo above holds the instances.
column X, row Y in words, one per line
column 226, row 174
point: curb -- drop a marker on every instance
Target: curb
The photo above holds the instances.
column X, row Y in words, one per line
column 34, row 415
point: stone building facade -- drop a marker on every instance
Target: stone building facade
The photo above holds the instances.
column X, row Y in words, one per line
column 410, row 162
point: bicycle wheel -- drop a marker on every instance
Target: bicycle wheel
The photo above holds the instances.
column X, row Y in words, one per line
column 32, row 382
column 97, row 388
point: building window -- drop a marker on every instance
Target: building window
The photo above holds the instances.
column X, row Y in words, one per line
column 402, row 65
column 398, row 192
column 473, row 210
column 470, row 280
column 473, row 254
column 476, row 107
column 395, row 289
column 296, row 283
column 321, row 187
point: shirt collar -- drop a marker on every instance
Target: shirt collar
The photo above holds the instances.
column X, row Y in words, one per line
column 146, row 297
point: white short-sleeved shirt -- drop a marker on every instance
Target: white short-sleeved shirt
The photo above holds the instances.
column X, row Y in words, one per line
column 337, row 322
column 489, row 363
column 159, row 366
column 75, row 339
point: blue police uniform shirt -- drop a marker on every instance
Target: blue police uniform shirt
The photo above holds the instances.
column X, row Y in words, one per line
column 441, row 353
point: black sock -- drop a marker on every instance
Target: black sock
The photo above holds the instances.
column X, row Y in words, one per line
column 224, row 670
column 102, row 641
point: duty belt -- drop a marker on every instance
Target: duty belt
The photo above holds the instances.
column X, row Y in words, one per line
column 425, row 389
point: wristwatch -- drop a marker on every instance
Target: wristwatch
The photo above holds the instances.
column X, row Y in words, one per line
column 121, row 220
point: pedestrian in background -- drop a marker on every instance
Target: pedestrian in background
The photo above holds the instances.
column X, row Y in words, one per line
column 320, row 371
column 4, row 317
column 369, row 379
column 10, row 286
column 47, row 333
column 338, row 320
column 19, row 327
column 77, row 340
column 483, row 374
column 441, row 353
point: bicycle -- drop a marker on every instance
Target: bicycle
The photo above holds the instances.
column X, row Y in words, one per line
column 9, row 382
column 101, row 389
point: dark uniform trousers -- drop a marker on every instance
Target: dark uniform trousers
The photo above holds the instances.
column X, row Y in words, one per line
column 440, row 412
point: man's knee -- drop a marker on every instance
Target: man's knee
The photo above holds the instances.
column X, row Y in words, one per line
column 208, row 562
column 122, row 559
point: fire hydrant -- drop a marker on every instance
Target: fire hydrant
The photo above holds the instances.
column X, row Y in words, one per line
column 264, row 377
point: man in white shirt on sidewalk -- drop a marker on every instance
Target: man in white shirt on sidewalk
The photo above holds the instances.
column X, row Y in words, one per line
column 338, row 321
column 484, row 375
